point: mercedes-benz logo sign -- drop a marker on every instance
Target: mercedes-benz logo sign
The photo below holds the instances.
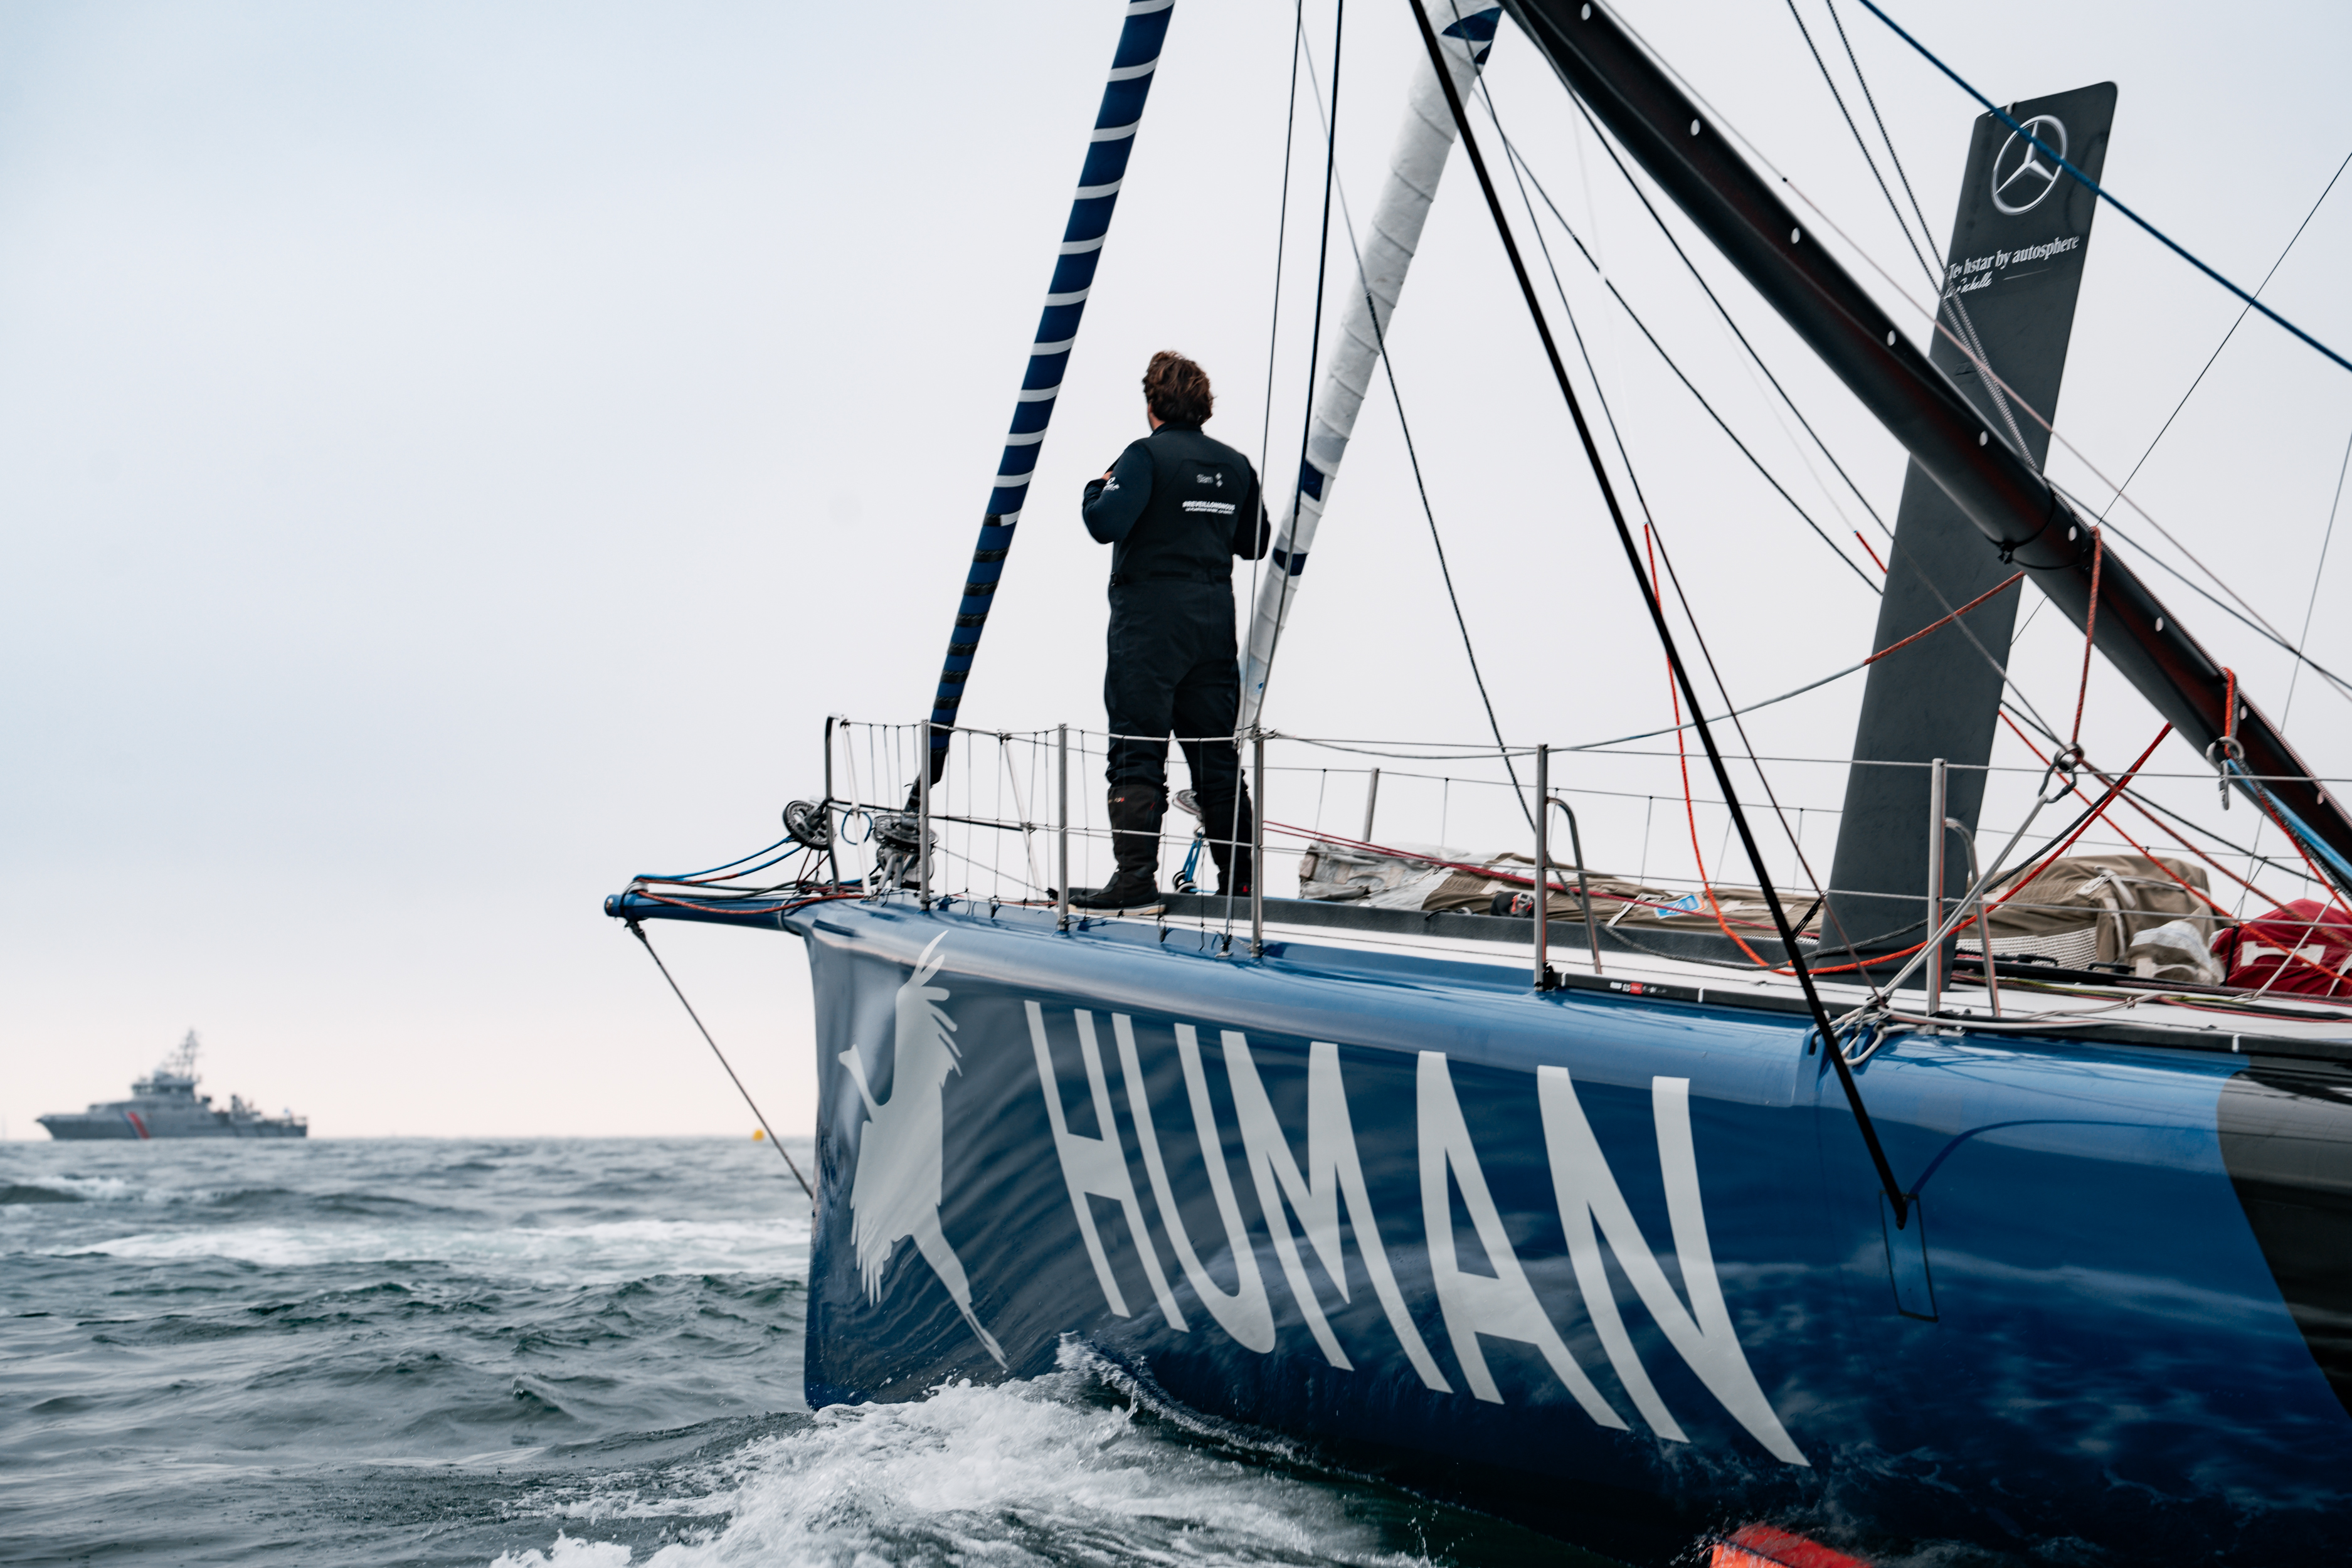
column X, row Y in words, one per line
column 2023, row 173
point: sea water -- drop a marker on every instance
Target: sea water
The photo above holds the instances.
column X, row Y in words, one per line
column 575, row 1353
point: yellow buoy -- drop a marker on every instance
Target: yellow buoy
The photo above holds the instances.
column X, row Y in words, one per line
column 758, row 1133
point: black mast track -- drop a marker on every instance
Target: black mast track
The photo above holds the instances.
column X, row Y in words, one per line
column 1999, row 489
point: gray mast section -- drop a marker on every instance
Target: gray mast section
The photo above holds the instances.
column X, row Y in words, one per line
column 1466, row 29
column 2009, row 286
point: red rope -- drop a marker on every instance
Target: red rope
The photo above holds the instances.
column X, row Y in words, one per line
column 2169, row 831
column 1866, row 550
column 2118, row 788
column 1939, row 620
column 1682, row 754
column 2044, row 864
column 2271, row 899
column 2115, row 793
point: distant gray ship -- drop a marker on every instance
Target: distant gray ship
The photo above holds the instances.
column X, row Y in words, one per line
column 165, row 1104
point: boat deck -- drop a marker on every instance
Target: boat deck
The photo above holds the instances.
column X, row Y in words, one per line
column 1681, row 965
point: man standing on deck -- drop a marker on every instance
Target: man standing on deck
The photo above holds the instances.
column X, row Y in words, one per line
column 1175, row 509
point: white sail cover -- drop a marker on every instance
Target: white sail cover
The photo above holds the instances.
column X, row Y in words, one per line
column 1465, row 32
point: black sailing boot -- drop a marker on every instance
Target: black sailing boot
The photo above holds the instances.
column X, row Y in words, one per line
column 1234, row 871
column 1135, row 811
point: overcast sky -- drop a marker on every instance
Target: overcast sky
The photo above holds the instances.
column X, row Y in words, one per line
column 453, row 456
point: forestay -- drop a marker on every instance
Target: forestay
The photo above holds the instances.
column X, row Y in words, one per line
column 1423, row 142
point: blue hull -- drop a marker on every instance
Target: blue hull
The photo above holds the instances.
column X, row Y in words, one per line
column 1614, row 1265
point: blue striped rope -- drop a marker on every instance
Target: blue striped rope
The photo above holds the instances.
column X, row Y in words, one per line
column 1099, row 178
column 2100, row 191
column 2296, row 828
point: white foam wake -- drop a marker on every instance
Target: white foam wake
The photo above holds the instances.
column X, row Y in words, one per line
column 120, row 1190
column 587, row 1254
column 1020, row 1472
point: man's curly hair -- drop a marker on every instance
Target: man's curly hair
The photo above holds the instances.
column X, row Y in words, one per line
column 1177, row 390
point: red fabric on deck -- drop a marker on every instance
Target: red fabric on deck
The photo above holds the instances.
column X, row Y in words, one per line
column 2256, row 954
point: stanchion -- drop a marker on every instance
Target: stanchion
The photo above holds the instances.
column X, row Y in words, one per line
column 923, row 820
column 1062, row 826
column 1257, row 846
column 1543, row 867
column 1935, row 955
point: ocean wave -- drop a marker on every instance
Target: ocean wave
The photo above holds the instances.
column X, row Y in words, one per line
column 605, row 1253
column 65, row 1189
column 1054, row 1469
column 21, row 1193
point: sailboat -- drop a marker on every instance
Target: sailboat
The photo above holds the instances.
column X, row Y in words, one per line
column 1850, row 1221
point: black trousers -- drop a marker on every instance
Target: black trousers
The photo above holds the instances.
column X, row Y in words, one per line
column 1172, row 671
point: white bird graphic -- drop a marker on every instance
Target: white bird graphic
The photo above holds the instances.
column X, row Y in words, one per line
column 895, row 1192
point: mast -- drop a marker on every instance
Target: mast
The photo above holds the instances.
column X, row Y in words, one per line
column 2011, row 280
column 1996, row 487
column 1099, row 177
column 1423, row 142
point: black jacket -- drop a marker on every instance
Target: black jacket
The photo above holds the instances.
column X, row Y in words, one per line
column 1178, row 506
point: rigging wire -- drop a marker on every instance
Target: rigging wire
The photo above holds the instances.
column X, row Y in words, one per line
column 2234, row 325
column 2318, row 573
column 1616, row 435
column 1847, row 115
column 1519, row 160
column 1388, row 367
column 1994, row 379
column 2140, row 804
column 1898, row 1199
column 2101, row 192
column 1936, row 280
column 1948, row 295
column 1999, row 665
column 1682, row 761
column 1961, row 919
column 2009, row 582
column 1281, row 238
column 1314, row 341
column 2090, row 637
column 1273, row 342
column 1720, row 423
column 1927, row 231
column 638, row 931
column 1820, row 898
column 1632, row 476
column 2252, row 622
column 1971, row 353
column 2164, row 816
